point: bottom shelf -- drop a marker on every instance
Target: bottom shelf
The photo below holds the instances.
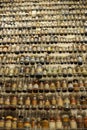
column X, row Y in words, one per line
column 41, row 129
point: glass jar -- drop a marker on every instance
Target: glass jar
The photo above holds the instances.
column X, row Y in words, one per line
column 58, row 86
column 7, row 100
column 34, row 101
column 19, row 88
column 45, row 123
column 33, row 123
column 39, row 70
column 27, row 123
column 14, row 100
column 8, row 122
column 64, row 85
column 85, row 120
column 41, row 87
column 60, row 102
column 2, row 122
column 52, row 124
column 59, row 124
column 20, row 122
column 27, row 101
column 14, row 87
column 80, row 60
column 1, row 100
column 73, row 124
column 14, row 123
column 70, row 87
column 66, row 120
column 70, row 71
column 35, row 87
column 80, row 122
column 20, row 100
column 52, row 87
column 75, row 85
column 46, row 87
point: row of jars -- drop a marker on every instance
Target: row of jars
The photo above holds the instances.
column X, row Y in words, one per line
column 59, row 31
column 47, row 24
column 45, row 2
column 43, row 86
column 24, row 6
column 45, row 102
column 64, row 4
column 30, row 39
column 39, row 70
column 52, row 123
column 37, row 12
column 33, row 59
column 32, row 48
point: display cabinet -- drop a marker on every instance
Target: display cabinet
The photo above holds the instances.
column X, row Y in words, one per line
column 43, row 64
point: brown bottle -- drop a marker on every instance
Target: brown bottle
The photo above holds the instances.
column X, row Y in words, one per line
column 33, row 123
column 85, row 120
column 34, row 101
column 58, row 86
column 73, row 101
column 38, row 123
column 80, row 122
column 8, row 86
column 45, row 123
column 41, row 87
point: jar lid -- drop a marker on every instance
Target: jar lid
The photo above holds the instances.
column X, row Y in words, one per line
column 9, row 117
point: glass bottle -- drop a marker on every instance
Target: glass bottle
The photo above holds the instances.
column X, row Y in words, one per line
column 35, row 87
column 27, row 101
column 45, row 123
column 46, row 87
column 27, row 124
column 73, row 124
column 85, row 120
column 70, row 87
column 58, row 86
column 14, row 123
column 34, row 101
column 60, row 102
column 80, row 123
column 59, row 124
column 20, row 122
column 64, row 85
column 2, row 122
column 52, row 124
column 52, row 87
column 8, row 122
